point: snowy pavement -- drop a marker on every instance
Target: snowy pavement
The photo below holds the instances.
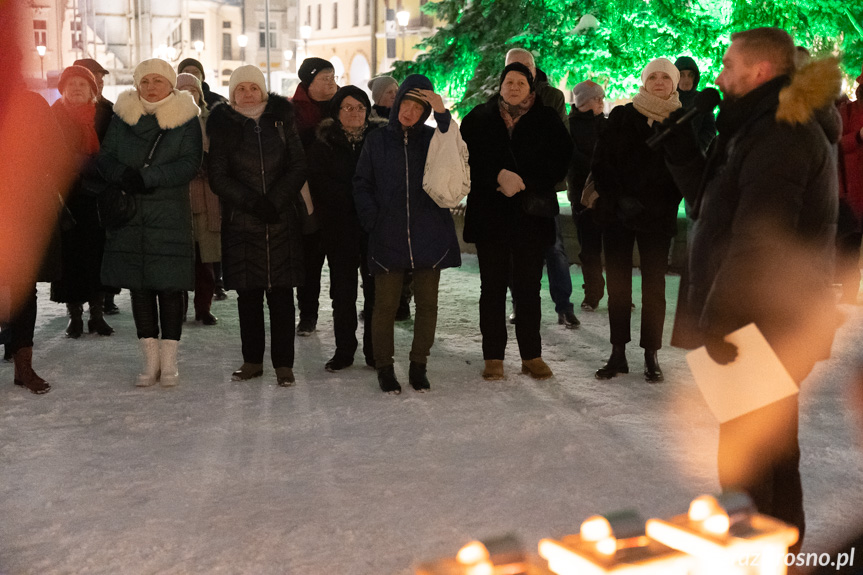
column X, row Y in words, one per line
column 334, row 477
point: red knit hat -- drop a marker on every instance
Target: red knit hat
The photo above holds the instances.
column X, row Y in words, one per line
column 80, row 72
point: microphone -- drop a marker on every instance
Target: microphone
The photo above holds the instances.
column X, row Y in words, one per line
column 705, row 101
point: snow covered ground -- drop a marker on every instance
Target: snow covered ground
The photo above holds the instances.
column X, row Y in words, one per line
column 334, row 477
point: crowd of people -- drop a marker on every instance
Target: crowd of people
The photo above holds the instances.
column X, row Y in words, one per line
column 254, row 193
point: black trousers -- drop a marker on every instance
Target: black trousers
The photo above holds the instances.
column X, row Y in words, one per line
column 368, row 300
column 151, row 308
column 618, row 242
column 250, row 304
column 497, row 263
column 759, row 454
column 343, row 259
column 22, row 325
column 589, row 235
column 848, row 265
column 309, row 293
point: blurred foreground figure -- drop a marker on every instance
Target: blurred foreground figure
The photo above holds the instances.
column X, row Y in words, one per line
column 762, row 247
column 34, row 168
column 850, row 231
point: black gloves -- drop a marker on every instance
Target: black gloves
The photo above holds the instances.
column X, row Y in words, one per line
column 719, row 350
column 133, row 183
column 263, row 209
column 680, row 146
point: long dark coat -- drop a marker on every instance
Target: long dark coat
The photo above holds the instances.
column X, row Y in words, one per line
column 84, row 242
column 332, row 162
column 765, row 220
column 584, row 127
column 247, row 160
column 155, row 251
column 539, row 152
column 634, row 185
column 407, row 229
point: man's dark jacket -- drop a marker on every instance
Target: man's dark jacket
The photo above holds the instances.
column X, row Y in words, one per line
column 765, row 219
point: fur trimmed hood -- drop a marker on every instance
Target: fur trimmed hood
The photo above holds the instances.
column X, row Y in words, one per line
column 172, row 114
column 813, row 87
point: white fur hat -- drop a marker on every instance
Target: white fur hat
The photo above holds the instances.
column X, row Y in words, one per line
column 247, row 73
column 155, row 66
column 661, row 65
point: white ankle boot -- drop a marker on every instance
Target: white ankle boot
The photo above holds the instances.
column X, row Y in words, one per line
column 150, row 351
column 170, row 376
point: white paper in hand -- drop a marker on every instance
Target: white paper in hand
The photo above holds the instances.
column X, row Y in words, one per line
column 755, row 379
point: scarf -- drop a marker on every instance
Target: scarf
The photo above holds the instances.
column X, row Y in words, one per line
column 355, row 136
column 254, row 112
column 84, row 117
column 656, row 109
column 512, row 114
column 151, row 107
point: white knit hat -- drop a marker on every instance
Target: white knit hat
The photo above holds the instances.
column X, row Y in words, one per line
column 247, row 73
column 661, row 65
column 155, row 66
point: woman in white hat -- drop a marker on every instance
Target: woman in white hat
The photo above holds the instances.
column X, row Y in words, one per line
column 153, row 255
column 257, row 168
column 637, row 203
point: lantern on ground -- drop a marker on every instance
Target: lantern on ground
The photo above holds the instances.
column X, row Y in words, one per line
column 614, row 543
column 727, row 535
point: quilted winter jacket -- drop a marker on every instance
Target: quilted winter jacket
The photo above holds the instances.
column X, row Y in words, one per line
column 155, row 250
column 407, row 229
column 257, row 255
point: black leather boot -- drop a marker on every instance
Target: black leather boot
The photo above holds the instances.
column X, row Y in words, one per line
column 97, row 322
column 76, row 322
column 652, row 372
column 418, row 378
column 615, row 365
column 387, row 380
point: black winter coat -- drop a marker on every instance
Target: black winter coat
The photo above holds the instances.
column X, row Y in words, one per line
column 584, row 127
column 248, row 160
column 634, row 185
column 83, row 243
column 539, row 152
column 332, row 163
column 762, row 245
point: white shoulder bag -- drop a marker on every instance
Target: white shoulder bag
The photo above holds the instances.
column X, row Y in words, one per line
column 446, row 178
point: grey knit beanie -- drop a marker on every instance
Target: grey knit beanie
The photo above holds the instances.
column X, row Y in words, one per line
column 379, row 85
column 585, row 91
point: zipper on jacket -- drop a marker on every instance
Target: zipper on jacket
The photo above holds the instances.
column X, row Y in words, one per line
column 264, row 188
column 408, row 199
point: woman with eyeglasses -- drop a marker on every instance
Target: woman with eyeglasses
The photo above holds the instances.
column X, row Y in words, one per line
column 332, row 162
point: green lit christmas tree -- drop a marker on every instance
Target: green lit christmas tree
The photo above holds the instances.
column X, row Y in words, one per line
column 610, row 41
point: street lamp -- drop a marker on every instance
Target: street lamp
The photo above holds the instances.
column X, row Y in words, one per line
column 243, row 41
column 403, row 17
column 305, row 34
column 199, row 47
column 41, row 50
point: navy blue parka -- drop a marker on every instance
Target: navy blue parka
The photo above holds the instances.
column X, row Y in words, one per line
column 407, row 229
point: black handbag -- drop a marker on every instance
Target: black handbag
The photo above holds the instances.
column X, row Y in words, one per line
column 114, row 205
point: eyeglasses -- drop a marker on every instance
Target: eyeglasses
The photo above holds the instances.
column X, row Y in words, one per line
column 327, row 78
column 351, row 109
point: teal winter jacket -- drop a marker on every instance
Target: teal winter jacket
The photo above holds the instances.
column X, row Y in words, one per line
column 155, row 251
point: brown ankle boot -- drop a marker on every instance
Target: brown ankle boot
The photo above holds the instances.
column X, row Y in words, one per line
column 536, row 368
column 24, row 374
column 493, row 369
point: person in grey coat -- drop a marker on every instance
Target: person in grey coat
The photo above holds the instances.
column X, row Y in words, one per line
column 153, row 255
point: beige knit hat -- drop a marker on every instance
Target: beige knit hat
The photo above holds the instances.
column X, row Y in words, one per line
column 661, row 65
column 247, row 73
column 155, row 66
